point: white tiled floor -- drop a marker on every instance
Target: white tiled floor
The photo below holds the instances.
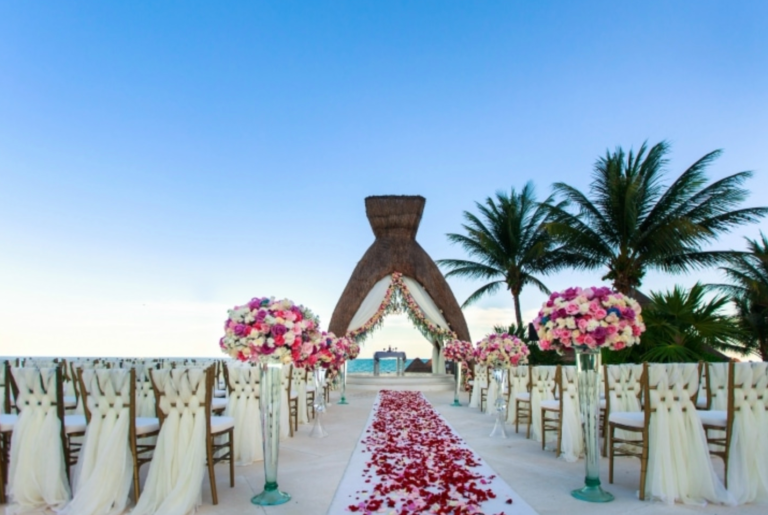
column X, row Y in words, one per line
column 310, row 469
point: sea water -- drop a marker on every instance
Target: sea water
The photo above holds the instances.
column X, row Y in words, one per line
column 365, row 366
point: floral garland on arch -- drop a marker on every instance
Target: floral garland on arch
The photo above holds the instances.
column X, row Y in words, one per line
column 591, row 318
column 501, row 351
column 398, row 298
column 267, row 330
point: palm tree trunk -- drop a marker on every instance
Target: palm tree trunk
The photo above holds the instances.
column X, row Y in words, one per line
column 518, row 314
column 764, row 349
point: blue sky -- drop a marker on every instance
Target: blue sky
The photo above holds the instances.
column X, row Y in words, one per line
column 160, row 162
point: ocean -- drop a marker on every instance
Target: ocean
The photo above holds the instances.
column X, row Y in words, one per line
column 365, row 365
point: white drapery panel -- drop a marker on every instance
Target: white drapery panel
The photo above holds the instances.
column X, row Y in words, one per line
column 543, row 385
column 104, row 469
column 480, row 381
column 425, row 302
column 572, row 446
column 679, row 466
column 748, row 461
column 36, row 476
column 370, row 304
column 244, row 407
column 174, row 480
column 624, row 385
column 518, row 383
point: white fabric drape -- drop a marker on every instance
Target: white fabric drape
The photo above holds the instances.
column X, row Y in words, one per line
column 36, row 476
column 104, row 469
column 624, row 386
column 572, row 444
column 679, row 466
column 425, row 302
column 244, row 408
column 543, row 385
column 748, row 461
column 145, row 394
column 493, row 393
column 518, row 383
column 174, row 480
column 480, row 381
column 370, row 304
column 299, row 386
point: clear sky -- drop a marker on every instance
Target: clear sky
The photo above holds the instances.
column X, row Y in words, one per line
column 163, row 161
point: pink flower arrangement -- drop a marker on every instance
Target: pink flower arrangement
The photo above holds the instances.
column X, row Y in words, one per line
column 353, row 349
column 501, row 351
column 589, row 318
column 458, row 350
column 318, row 352
column 269, row 330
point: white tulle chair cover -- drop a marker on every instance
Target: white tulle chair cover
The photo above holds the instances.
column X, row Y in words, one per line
column 36, row 476
column 679, row 466
column 244, row 408
column 748, row 460
column 624, row 391
column 480, row 380
column 102, row 478
column 299, row 386
column 518, row 383
column 572, row 444
column 493, row 393
column 285, row 428
column 543, row 384
column 718, row 385
column 145, row 394
column 174, row 480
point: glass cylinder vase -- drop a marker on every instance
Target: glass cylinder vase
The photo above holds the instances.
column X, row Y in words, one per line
column 457, row 379
column 588, row 369
column 500, row 427
column 318, row 431
column 343, row 372
column 270, row 399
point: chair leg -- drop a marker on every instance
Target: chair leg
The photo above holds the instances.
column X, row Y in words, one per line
column 559, row 434
column 232, row 457
column 543, row 429
column 610, row 455
column 211, row 472
column 644, row 465
column 135, row 475
column 517, row 414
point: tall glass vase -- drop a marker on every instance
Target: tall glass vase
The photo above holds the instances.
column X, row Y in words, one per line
column 343, row 399
column 270, row 387
column 318, row 431
column 457, row 379
column 588, row 367
column 500, row 428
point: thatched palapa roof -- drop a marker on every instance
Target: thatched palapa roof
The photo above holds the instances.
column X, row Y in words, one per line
column 395, row 220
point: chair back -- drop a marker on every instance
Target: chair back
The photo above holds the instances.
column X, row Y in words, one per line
column 717, row 385
column 544, row 381
column 623, row 387
column 671, row 385
column 481, row 376
column 243, row 381
column 108, row 390
column 182, row 390
column 568, row 385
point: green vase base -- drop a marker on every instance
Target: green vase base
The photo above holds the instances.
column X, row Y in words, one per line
column 456, row 402
column 271, row 496
column 592, row 494
column 342, row 401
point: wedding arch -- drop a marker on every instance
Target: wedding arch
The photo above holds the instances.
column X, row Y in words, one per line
column 396, row 274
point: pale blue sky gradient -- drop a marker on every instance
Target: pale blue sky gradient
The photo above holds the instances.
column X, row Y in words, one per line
column 161, row 162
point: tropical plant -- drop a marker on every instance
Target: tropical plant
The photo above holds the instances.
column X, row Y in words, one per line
column 748, row 274
column 537, row 356
column 631, row 221
column 509, row 246
column 684, row 326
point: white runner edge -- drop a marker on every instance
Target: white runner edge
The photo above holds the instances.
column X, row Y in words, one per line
column 353, row 479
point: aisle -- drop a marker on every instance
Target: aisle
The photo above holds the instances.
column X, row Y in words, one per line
column 410, row 458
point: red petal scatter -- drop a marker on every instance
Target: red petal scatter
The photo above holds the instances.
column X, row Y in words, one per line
column 417, row 463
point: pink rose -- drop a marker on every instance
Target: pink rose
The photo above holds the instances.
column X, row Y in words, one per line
column 600, row 314
column 571, row 308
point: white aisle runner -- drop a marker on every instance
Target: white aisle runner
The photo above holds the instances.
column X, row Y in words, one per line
column 409, row 457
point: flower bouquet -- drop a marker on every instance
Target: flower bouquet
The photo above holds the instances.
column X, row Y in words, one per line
column 499, row 352
column 352, row 351
column 588, row 320
column 460, row 352
column 271, row 333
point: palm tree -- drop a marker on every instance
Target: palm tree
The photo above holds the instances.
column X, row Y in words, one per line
column 749, row 277
column 682, row 326
column 509, row 246
column 632, row 222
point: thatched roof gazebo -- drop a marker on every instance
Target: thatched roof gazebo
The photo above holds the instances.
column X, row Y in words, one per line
column 395, row 221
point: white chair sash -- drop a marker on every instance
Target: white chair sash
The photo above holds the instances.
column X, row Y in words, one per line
column 104, row 469
column 624, row 391
column 543, row 378
column 748, row 460
column 174, row 480
column 244, row 408
column 36, row 477
column 572, row 444
column 480, row 381
column 518, row 383
column 679, row 466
